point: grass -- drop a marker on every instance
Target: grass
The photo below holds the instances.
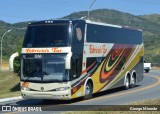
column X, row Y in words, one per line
column 9, row 84
column 155, row 101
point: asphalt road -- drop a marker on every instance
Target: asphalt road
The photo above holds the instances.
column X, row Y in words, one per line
column 149, row 88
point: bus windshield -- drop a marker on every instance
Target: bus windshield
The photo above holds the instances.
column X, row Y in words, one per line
column 50, row 35
column 44, row 67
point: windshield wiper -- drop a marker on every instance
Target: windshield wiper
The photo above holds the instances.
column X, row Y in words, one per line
column 29, row 76
column 33, row 75
column 59, row 44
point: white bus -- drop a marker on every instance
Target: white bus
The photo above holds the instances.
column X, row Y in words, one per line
column 66, row 59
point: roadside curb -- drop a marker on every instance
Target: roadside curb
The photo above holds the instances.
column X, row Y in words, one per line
column 11, row 99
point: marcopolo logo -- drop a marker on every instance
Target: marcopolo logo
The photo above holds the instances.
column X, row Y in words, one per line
column 42, row 88
column 38, row 56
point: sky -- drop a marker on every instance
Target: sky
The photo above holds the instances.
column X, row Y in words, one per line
column 14, row 11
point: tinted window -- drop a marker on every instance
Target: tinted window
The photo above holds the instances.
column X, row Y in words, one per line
column 44, row 67
column 54, row 67
column 106, row 34
column 32, row 67
column 47, row 36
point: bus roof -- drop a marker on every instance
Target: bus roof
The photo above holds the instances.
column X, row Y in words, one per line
column 112, row 25
column 50, row 21
column 86, row 21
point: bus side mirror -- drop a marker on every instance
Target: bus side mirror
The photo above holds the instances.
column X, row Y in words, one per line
column 68, row 61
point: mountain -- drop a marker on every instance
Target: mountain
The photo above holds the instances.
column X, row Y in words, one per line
column 150, row 24
column 116, row 17
column 153, row 18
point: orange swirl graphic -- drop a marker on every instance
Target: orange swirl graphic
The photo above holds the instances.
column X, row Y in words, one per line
column 110, row 68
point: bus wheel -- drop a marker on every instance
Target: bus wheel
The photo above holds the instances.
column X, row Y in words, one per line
column 88, row 91
column 126, row 85
column 133, row 81
column 147, row 70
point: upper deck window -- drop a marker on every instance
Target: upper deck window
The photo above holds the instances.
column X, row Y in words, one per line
column 108, row 34
column 47, row 35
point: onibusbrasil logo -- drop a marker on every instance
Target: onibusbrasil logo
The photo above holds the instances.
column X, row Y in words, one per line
column 21, row 109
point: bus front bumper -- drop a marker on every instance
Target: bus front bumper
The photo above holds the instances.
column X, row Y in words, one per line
column 59, row 95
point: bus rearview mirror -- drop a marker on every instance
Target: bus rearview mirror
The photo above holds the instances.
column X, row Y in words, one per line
column 68, row 61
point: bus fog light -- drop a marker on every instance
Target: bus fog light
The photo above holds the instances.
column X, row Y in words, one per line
column 23, row 95
column 62, row 88
column 25, row 88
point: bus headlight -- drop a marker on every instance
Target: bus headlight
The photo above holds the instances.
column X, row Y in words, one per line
column 62, row 88
column 25, row 88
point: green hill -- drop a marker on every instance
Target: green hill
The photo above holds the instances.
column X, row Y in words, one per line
column 13, row 39
column 153, row 18
column 150, row 24
column 116, row 17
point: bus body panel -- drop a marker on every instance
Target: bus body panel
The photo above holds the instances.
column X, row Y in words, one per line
column 107, row 60
column 101, row 53
column 117, row 77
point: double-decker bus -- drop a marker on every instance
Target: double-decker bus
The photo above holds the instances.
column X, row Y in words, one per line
column 66, row 59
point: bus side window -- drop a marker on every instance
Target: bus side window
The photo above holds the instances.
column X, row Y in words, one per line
column 75, row 67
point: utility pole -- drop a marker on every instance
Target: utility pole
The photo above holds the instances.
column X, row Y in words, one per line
column 90, row 7
column 1, row 44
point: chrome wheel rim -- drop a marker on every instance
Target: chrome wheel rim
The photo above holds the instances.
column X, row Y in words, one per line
column 87, row 90
column 127, row 82
column 133, row 81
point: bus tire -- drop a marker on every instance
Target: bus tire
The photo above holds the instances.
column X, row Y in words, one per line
column 88, row 91
column 133, row 81
column 127, row 83
column 147, row 70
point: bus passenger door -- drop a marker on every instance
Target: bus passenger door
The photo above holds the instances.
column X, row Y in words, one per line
column 76, row 65
column 77, row 46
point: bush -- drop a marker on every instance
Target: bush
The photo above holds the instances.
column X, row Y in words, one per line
column 16, row 65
